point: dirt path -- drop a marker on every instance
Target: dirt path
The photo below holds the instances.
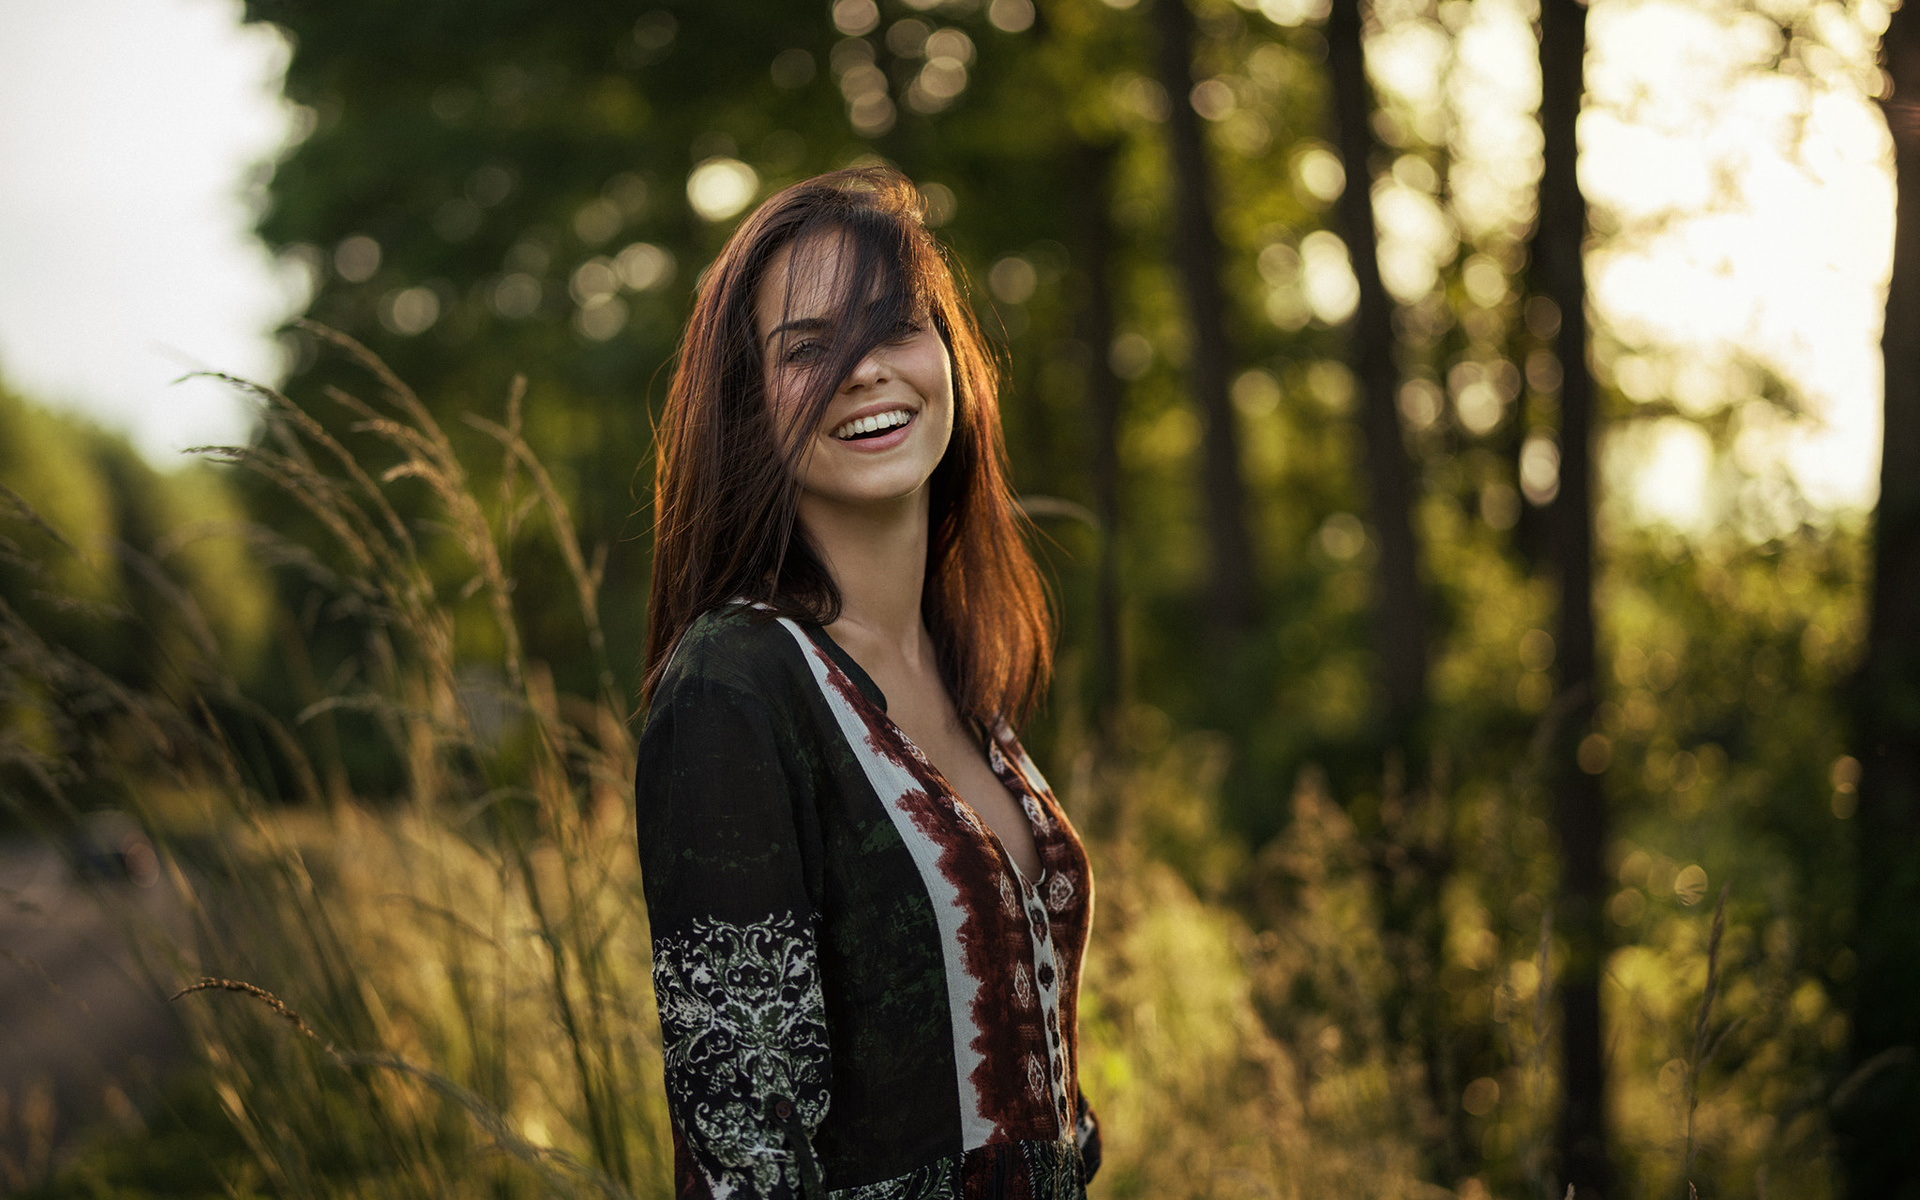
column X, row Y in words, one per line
column 84, row 1030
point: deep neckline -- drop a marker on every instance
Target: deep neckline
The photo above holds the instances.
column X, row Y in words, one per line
column 870, row 691
column 845, row 661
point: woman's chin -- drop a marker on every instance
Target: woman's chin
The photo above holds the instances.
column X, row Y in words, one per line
column 875, row 495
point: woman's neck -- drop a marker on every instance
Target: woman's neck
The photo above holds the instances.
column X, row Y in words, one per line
column 877, row 556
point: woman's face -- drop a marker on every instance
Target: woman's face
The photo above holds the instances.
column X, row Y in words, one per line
column 889, row 421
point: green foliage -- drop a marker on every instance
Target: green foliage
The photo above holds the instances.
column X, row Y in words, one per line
column 512, row 868
column 121, row 567
column 122, row 517
column 1318, row 968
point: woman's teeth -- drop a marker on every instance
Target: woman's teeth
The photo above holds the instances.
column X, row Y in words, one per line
column 868, row 426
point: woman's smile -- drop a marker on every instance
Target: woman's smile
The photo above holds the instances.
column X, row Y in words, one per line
column 872, row 429
column 876, row 425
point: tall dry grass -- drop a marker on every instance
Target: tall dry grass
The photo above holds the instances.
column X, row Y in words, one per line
column 467, row 958
column 445, row 991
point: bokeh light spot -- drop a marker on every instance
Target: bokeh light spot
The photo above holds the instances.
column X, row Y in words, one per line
column 1332, row 384
column 1319, row 174
column 872, row 114
column 356, row 258
column 941, row 204
column 410, row 311
column 1256, row 393
column 949, row 43
column 1540, row 469
column 601, row 317
column 1290, row 13
column 942, row 78
column 1536, row 650
column 1331, row 290
column 793, row 68
column 856, row 18
column 1342, row 536
column 593, row 280
column 1016, row 16
column 517, row 296
column 644, row 266
column 1690, row 885
column 721, row 187
column 1012, row 279
column 1480, row 1096
column 1212, row 99
column 1420, row 403
column 907, row 38
column 597, row 220
column 1595, row 754
column 1130, row 355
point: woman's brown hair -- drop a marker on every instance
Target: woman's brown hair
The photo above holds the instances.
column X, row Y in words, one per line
column 726, row 493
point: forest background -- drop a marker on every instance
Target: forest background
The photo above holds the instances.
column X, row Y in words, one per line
column 1459, row 830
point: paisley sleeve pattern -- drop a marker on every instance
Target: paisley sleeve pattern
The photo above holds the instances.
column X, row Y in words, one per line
column 735, row 958
column 744, row 1027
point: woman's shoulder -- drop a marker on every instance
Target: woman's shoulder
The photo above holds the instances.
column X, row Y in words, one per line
column 737, row 647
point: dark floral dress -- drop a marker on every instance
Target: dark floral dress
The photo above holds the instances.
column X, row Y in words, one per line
column 860, row 995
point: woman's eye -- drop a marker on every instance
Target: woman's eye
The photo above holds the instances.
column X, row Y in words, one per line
column 905, row 329
column 804, row 351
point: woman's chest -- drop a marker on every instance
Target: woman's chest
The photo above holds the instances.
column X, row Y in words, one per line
column 920, row 712
column 937, row 953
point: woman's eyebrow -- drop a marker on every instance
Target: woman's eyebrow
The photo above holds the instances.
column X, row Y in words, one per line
column 813, row 324
column 809, row 324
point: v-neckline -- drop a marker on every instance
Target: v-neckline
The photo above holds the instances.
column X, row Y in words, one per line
column 870, row 692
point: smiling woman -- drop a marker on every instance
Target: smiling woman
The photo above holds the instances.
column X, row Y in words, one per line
column 868, row 910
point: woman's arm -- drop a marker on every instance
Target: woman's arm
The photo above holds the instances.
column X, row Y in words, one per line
column 735, row 970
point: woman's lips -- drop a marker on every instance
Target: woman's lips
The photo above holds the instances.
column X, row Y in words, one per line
column 876, row 442
column 877, row 421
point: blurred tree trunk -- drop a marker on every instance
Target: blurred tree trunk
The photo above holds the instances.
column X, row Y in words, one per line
column 1400, row 630
column 1196, row 251
column 1877, row 1109
column 1409, row 859
column 1579, row 805
column 1092, row 169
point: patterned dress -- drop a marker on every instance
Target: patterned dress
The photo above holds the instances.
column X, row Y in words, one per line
column 860, row 994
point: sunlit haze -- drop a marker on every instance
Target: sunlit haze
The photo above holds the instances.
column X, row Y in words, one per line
column 1743, row 202
column 1756, row 220
column 1747, row 212
column 129, row 130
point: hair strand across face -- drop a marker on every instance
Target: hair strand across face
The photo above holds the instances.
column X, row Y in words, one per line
column 726, row 491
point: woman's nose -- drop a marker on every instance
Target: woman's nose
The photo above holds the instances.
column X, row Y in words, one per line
column 870, row 370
